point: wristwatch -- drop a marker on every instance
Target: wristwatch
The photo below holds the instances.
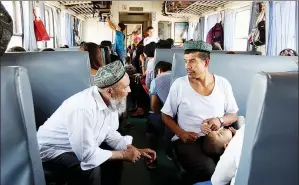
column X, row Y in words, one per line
column 221, row 120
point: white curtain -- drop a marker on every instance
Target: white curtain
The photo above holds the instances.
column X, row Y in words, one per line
column 29, row 36
column 210, row 22
column 253, row 17
column 296, row 23
column 281, row 26
column 57, row 27
column 202, row 28
column 229, row 29
column 192, row 30
column 41, row 6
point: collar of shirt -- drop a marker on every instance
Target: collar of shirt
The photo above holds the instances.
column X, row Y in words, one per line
column 98, row 99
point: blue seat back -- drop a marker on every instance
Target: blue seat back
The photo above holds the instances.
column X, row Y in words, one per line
column 239, row 70
column 166, row 54
column 54, row 77
column 270, row 146
column 67, row 49
column 20, row 159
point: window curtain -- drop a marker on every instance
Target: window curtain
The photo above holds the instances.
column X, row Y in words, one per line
column 253, row 17
column 229, row 29
column 192, row 30
column 68, row 29
column 296, row 23
column 211, row 21
column 28, row 18
column 57, row 27
column 281, row 26
column 41, row 6
column 202, row 28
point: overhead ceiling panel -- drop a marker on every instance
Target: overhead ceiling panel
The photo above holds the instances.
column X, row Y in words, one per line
column 87, row 9
column 189, row 8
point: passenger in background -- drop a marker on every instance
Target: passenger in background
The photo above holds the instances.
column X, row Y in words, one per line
column 163, row 44
column 48, row 49
column 108, row 44
column 119, row 45
column 150, row 38
column 80, row 140
column 95, row 57
column 230, row 52
column 135, row 39
column 158, row 93
column 288, row 52
column 6, row 29
column 149, row 53
column 216, row 46
column 130, row 69
column 228, row 164
column 65, row 46
column 82, row 46
column 171, row 41
column 16, row 49
column 195, row 99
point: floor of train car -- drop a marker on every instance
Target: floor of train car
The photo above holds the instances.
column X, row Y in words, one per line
column 135, row 174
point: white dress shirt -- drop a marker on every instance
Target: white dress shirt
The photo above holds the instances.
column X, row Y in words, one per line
column 80, row 125
column 148, row 40
column 193, row 108
column 228, row 164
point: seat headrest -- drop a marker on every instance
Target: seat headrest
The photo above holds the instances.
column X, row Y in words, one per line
column 20, row 158
column 270, row 146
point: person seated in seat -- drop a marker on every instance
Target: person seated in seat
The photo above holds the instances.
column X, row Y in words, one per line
column 48, row 49
column 216, row 46
column 80, row 140
column 108, row 44
column 82, row 46
column 171, row 41
column 230, row 151
column 163, row 44
column 16, row 49
column 197, row 98
column 130, row 69
column 95, row 58
column 158, row 93
column 288, row 52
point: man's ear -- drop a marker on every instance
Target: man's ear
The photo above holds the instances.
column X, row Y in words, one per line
column 207, row 62
column 225, row 145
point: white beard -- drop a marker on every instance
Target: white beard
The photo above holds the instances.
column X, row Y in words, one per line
column 118, row 105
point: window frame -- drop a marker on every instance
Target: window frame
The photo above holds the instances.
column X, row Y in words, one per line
column 238, row 10
column 18, row 30
column 48, row 23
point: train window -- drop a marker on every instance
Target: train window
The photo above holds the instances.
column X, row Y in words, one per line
column 49, row 26
column 15, row 11
column 242, row 21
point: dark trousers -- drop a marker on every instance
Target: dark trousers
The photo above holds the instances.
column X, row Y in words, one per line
column 67, row 167
column 195, row 162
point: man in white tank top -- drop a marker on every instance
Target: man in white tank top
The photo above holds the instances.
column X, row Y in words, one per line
column 197, row 98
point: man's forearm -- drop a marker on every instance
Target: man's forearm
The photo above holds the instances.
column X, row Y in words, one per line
column 229, row 119
column 117, row 155
column 171, row 124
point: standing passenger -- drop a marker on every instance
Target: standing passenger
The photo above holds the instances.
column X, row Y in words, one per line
column 119, row 44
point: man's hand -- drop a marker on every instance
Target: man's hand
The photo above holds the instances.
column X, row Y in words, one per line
column 188, row 137
column 205, row 128
column 149, row 154
column 214, row 123
column 131, row 154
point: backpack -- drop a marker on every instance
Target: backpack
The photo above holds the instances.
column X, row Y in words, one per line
column 257, row 37
column 216, row 34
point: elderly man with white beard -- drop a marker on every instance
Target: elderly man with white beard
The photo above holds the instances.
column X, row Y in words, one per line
column 80, row 141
